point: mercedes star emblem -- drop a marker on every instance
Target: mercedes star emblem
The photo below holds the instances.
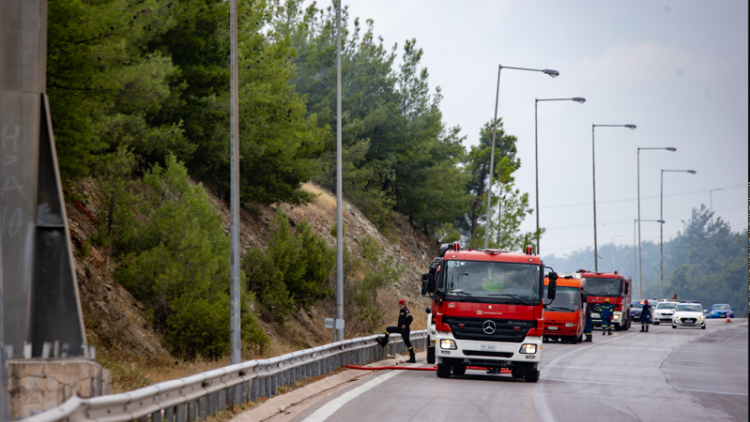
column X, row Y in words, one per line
column 489, row 327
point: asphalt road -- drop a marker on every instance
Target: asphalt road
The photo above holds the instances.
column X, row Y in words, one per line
column 664, row 375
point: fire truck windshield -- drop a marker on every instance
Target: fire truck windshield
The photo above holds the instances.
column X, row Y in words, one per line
column 492, row 279
column 568, row 299
column 604, row 286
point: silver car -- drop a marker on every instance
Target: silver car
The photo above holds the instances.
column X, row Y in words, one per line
column 664, row 311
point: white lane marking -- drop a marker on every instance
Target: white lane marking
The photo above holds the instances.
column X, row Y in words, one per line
column 665, row 387
column 328, row 409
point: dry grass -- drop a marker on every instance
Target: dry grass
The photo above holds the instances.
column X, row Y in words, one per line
column 324, row 201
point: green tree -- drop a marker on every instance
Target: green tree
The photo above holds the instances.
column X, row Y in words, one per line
column 176, row 261
column 709, row 262
column 103, row 80
column 476, row 167
column 293, row 270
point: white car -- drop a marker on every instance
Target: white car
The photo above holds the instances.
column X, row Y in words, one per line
column 664, row 311
column 689, row 315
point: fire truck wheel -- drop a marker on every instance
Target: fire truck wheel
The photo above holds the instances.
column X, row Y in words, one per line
column 532, row 375
column 574, row 340
column 444, row 370
column 618, row 327
column 430, row 351
column 459, row 369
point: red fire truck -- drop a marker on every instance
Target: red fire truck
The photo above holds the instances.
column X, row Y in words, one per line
column 487, row 311
column 612, row 286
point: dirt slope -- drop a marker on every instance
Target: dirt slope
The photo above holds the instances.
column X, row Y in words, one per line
column 118, row 324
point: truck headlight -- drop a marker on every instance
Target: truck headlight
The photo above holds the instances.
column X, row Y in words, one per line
column 616, row 317
column 528, row 348
column 570, row 324
column 447, row 344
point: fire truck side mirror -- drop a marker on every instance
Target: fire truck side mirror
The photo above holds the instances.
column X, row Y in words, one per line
column 552, row 288
column 424, row 284
column 627, row 288
column 430, row 283
column 584, row 297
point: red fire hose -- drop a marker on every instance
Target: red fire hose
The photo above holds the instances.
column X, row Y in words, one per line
column 412, row 368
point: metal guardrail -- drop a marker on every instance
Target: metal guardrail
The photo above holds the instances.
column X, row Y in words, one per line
column 196, row 397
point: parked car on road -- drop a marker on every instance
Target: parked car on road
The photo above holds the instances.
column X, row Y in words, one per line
column 720, row 310
column 688, row 315
column 664, row 310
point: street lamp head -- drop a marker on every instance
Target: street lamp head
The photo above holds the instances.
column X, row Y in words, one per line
column 579, row 100
column 551, row 72
column 673, row 149
column 692, row 171
column 631, row 127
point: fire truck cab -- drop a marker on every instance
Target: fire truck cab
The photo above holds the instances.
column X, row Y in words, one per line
column 487, row 311
column 565, row 318
column 601, row 286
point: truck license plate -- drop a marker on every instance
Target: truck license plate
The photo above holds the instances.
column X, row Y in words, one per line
column 552, row 327
column 594, row 315
column 487, row 347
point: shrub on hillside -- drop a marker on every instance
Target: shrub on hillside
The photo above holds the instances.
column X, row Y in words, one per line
column 176, row 261
column 292, row 271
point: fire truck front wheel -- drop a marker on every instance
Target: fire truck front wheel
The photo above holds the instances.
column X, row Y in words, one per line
column 444, row 370
column 459, row 369
column 532, row 375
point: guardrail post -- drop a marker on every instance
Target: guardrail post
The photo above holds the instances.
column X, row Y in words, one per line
column 221, row 400
column 192, row 411
column 143, row 419
column 181, row 413
column 211, row 408
column 156, row 416
column 254, row 390
column 245, row 392
column 202, row 408
column 169, row 414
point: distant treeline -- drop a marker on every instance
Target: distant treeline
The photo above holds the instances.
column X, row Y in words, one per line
column 706, row 262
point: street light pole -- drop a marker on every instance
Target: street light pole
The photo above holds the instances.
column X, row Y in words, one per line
column 552, row 73
column 579, row 100
column 711, row 197
column 640, row 263
column 234, row 287
column 593, row 170
column 661, row 226
column 339, row 198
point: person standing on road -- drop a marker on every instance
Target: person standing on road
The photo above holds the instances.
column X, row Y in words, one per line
column 589, row 327
column 645, row 316
column 607, row 311
column 402, row 327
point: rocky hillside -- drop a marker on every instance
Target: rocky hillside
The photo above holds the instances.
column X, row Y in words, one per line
column 119, row 324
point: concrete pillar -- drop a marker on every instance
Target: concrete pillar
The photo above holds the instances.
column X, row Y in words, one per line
column 41, row 301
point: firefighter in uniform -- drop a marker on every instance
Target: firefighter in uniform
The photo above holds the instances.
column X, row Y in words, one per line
column 607, row 312
column 402, row 327
column 589, row 324
column 645, row 316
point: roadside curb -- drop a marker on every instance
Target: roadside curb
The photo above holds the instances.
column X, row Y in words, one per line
column 273, row 406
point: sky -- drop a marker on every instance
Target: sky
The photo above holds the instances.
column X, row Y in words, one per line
column 678, row 70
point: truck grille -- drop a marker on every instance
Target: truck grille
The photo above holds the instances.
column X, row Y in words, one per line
column 491, row 354
column 505, row 329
